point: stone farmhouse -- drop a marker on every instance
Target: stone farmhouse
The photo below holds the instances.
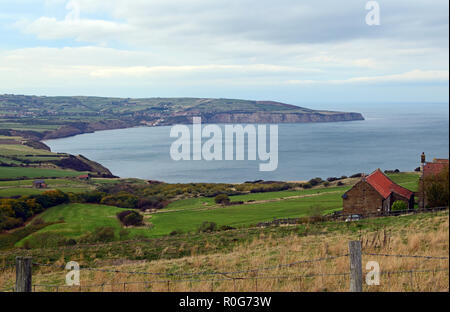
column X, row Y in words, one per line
column 375, row 194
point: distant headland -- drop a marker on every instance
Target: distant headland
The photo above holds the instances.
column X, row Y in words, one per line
column 51, row 117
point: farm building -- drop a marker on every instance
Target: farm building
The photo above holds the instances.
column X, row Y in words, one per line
column 375, row 193
column 429, row 171
column 84, row 177
column 39, row 184
column 435, row 167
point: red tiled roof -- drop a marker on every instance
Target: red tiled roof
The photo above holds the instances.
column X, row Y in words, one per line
column 385, row 186
column 435, row 167
column 83, row 176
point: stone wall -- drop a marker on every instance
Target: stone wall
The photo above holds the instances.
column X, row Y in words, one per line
column 362, row 199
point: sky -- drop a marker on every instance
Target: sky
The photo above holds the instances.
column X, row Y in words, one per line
column 295, row 51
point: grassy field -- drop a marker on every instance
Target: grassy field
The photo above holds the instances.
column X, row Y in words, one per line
column 18, row 172
column 80, row 218
column 83, row 218
column 241, row 250
column 21, row 150
column 409, row 180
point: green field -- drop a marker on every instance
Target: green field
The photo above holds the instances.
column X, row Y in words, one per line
column 18, row 172
column 408, row 180
column 21, row 150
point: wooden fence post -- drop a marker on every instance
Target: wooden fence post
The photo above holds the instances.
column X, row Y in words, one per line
column 23, row 274
column 355, row 266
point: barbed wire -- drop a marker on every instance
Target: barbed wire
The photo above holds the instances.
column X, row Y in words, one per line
column 200, row 273
column 200, row 280
column 414, row 271
column 406, row 256
column 168, row 282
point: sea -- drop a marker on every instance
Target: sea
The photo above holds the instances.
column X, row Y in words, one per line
column 392, row 136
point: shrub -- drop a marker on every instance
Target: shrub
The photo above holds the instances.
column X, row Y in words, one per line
column 130, row 218
column 340, row 183
column 176, row 232
column 226, row 228
column 399, row 205
column 315, row 181
column 207, row 227
column 307, row 185
column 122, row 199
column 70, row 242
column 133, row 219
column 93, row 197
column 437, row 189
column 9, row 223
column 326, row 184
column 222, row 199
column 151, row 202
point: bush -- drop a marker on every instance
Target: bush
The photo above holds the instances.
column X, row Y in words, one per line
column 222, row 199
column 226, row 228
column 176, row 232
column 326, row 184
column 9, row 223
column 340, row 183
column 123, row 200
column 437, row 189
column 93, row 197
column 207, row 227
column 70, row 242
column 399, row 205
column 307, row 185
column 130, row 218
column 315, row 181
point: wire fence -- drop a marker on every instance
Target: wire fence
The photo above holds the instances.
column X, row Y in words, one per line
column 252, row 274
column 205, row 272
column 407, row 256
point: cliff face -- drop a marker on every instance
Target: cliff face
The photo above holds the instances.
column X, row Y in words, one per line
column 186, row 118
column 281, row 117
column 262, row 117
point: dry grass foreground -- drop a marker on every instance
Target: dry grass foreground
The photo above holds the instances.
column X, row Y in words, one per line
column 426, row 236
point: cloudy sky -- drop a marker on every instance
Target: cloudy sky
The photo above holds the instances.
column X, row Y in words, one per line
column 297, row 51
